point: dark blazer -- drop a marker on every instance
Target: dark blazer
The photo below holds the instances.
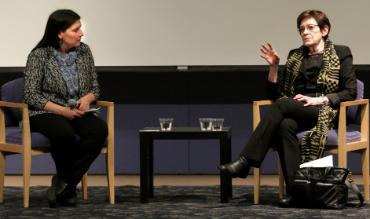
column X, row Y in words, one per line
column 44, row 81
column 347, row 79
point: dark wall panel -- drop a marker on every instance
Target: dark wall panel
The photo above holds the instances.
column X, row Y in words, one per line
column 196, row 85
column 143, row 94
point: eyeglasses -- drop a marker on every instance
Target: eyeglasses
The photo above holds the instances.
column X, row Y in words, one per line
column 309, row 27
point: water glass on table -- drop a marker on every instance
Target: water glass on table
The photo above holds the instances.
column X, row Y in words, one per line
column 165, row 124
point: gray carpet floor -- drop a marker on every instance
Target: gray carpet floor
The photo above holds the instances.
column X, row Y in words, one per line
column 169, row 202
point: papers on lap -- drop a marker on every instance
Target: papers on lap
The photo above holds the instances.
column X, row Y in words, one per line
column 93, row 110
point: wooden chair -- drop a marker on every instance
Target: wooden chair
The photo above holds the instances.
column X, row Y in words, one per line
column 352, row 135
column 18, row 139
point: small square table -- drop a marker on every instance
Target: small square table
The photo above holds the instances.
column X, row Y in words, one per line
column 149, row 134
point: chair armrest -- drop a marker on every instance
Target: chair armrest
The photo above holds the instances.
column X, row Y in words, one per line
column 342, row 122
column 13, row 105
column 262, row 102
column 104, row 103
column 354, row 102
column 257, row 111
column 26, row 132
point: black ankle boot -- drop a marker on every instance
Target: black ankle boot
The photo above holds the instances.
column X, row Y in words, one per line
column 239, row 168
column 68, row 197
column 286, row 201
column 57, row 186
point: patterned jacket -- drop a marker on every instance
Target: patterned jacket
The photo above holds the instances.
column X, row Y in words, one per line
column 44, row 81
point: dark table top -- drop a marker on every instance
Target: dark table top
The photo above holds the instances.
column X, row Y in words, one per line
column 185, row 132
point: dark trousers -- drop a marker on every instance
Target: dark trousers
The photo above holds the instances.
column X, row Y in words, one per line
column 278, row 129
column 75, row 144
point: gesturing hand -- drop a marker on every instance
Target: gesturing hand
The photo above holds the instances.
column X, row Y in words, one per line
column 269, row 54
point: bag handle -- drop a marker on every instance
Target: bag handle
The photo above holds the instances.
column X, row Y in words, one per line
column 352, row 185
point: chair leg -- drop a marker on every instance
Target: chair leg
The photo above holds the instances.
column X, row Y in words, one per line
column 281, row 181
column 110, row 176
column 257, row 184
column 365, row 172
column 2, row 174
column 342, row 157
column 84, row 186
column 26, row 178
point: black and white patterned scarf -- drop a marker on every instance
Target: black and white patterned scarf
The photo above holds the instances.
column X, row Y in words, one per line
column 313, row 143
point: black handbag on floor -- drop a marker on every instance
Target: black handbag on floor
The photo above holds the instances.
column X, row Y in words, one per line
column 323, row 187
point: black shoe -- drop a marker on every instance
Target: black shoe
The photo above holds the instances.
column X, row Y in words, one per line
column 239, row 168
column 285, row 202
column 57, row 186
column 68, row 197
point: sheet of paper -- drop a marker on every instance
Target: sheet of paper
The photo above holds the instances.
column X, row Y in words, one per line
column 93, row 109
column 322, row 162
